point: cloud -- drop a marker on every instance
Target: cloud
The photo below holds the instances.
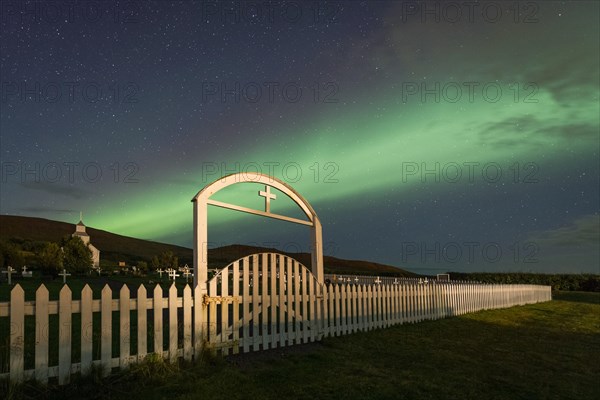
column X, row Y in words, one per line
column 56, row 189
column 46, row 210
column 583, row 232
column 533, row 131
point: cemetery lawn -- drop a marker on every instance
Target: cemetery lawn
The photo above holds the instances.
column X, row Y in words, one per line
column 541, row 351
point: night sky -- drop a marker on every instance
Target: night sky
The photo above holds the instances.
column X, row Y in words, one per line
column 459, row 136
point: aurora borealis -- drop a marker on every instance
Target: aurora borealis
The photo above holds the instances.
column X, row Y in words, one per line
column 425, row 136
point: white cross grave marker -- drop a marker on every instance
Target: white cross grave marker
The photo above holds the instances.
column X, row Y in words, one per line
column 64, row 275
column 396, row 281
column 378, row 281
column 268, row 196
column 186, row 273
column 173, row 274
column 9, row 271
column 160, row 272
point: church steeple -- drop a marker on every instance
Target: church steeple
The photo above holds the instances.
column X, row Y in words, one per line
column 85, row 238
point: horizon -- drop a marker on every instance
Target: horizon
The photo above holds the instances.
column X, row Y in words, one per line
column 418, row 138
column 419, row 271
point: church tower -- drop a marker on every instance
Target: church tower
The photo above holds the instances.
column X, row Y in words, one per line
column 85, row 238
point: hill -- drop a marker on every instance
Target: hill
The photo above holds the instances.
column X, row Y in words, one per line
column 114, row 247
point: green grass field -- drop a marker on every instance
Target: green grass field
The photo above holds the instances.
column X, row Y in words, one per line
column 542, row 351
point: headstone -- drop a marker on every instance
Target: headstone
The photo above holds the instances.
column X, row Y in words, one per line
column 25, row 273
column 160, row 272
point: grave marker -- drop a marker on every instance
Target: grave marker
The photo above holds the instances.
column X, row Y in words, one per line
column 64, row 274
column 9, row 271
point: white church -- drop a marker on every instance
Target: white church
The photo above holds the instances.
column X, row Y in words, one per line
column 85, row 238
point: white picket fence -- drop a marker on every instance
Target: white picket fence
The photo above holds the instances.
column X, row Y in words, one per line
column 258, row 302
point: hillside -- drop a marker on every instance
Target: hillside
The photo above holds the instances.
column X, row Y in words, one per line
column 114, row 247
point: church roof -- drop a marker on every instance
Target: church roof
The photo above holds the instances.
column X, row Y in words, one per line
column 80, row 223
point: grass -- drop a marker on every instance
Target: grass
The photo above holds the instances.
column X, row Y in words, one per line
column 541, row 351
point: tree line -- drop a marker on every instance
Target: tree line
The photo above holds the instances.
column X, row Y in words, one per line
column 70, row 253
column 577, row 282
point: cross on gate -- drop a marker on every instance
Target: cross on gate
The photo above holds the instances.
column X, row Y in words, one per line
column 268, row 196
column 160, row 272
column 64, row 275
column 9, row 271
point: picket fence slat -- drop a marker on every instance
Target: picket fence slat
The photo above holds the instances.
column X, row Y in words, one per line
column 42, row 332
column 17, row 334
column 106, row 331
column 173, row 324
column 236, row 307
column 282, row 298
column 142, row 315
column 255, row 304
column 124, row 305
column 187, row 323
column 157, row 309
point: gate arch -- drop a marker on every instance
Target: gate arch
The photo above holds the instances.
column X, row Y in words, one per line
column 202, row 200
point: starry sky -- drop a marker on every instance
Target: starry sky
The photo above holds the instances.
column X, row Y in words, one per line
column 433, row 136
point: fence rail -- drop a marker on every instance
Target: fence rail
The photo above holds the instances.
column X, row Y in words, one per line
column 241, row 312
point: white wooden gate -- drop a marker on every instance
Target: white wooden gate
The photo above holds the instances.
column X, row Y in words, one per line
column 262, row 301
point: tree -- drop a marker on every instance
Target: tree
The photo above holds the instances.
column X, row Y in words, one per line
column 155, row 263
column 51, row 259
column 169, row 260
column 77, row 257
column 12, row 255
column 142, row 267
